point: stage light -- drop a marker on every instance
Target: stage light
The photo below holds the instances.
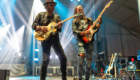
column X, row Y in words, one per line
column 4, row 24
column 138, row 57
column 19, row 54
column 132, row 59
column 71, row 0
column 78, row 0
column 0, row 49
column 36, row 50
column 50, row 56
column 56, row 56
column 35, row 59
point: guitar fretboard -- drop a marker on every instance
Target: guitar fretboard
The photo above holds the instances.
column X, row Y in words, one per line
column 100, row 15
column 64, row 20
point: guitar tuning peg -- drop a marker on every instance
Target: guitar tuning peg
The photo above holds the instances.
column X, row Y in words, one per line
column 120, row 54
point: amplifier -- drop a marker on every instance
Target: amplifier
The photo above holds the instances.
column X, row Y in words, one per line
column 4, row 74
column 137, row 63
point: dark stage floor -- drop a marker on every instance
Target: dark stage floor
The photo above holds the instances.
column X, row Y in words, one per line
column 48, row 78
column 37, row 78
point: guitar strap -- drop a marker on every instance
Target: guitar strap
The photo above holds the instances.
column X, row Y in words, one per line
column 89, row 21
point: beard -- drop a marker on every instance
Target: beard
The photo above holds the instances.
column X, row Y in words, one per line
column 50, row 10
column 82, row 16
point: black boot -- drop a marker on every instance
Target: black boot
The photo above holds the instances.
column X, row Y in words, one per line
column 63, row 70
column 43, row 72
column 64, row 78
column 42, row 78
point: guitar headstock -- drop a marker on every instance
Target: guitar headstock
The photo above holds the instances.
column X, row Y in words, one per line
column 79, row 14
column 108, row 4
column 119, row 54
column 115, row 54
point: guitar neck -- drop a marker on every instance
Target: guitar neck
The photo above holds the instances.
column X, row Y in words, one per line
column 101, row 14
column 98, row 18
column 64, row 20
column 67, row 19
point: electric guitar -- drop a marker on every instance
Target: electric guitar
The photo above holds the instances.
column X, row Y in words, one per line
column 110, row 66
column 88, row 38
column 52, row 27
column 113, row 62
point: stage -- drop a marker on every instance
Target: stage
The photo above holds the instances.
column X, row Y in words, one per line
column 49, row 78
column 108, row 32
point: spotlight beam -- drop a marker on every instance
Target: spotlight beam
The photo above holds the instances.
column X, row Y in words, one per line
column 67, row 28
column 138, row 1
column 68, row 42
column 2, row 17
column 20, row 16
column 24, row 10
column 96, row 6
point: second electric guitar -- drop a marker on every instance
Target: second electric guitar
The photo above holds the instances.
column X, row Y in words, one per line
column 88, row 38
column 52, row 27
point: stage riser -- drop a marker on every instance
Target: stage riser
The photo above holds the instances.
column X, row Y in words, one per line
column 15, row 69
column 55, row 71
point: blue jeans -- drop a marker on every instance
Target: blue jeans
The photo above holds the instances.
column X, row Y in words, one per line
column 87, row 50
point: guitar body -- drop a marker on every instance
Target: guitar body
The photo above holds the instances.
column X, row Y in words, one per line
column 40, row 36
column 52, row 27
column 88, row 38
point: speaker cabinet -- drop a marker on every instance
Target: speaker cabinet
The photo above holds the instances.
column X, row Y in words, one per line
column 4, row 74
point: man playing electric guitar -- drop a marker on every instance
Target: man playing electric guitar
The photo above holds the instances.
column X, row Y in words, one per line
column 43, row 19
column 79, row 26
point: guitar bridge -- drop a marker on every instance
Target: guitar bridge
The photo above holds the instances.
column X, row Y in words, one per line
column 39, row 34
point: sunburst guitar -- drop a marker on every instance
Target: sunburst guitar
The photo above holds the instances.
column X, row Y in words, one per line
column 88, row 38
column 52, row 27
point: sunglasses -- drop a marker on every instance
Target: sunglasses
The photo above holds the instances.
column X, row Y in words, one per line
column 52, row 5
